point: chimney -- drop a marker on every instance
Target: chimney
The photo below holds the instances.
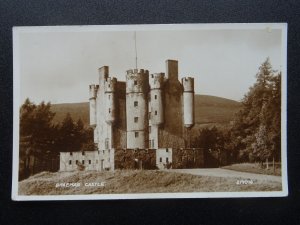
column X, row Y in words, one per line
column 172, row 69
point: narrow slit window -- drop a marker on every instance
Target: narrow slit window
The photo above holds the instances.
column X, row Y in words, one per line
column 136, row 119
column 136, row 103
column 136, row 134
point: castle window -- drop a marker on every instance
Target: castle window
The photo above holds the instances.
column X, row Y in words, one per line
column 90, row 161
column 167, row 150
column 82, row 162
column 109, row 85
column 160, row 159
column 76, row 162
column 71, row 153
column 109, row 110
column 135, row 82
column 155, row 112
column 83, row 153
column 136, row 119
column 155, row 96
column 136, row 134
column 167, row 160
column 136, row 103
column 70, row 162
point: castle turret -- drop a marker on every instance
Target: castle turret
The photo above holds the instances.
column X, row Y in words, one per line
column 110, row 108
column 156, row 82
column 93, row 95
column 137, row 88
column 188, row 101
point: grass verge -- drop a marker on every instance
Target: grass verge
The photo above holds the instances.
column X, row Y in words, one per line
column 255, row 168
column 135, row 181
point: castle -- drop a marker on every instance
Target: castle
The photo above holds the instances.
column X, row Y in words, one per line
column 143, row 122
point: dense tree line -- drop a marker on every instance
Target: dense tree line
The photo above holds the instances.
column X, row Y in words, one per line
column 255, row 133
column 41, row 140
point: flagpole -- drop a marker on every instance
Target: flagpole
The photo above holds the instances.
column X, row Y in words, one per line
column 135, row 49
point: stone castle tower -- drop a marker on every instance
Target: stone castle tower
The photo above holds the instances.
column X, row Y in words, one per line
column 153, row 111
column 158, row 109
column 147, row 114
column 137, row 88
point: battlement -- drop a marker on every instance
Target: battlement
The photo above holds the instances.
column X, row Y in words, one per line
column 93, row 91
column 110, row 84
column 156, row 80
column 188, row 84
column 137, row 80
column 135, row 71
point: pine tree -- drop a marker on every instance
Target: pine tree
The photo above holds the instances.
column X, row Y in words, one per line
column 256, row 130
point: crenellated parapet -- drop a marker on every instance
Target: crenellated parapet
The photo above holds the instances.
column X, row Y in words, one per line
column 156, row 80
column 93, row 89
column 110, row 84
column 137, row 81
column 188, row 84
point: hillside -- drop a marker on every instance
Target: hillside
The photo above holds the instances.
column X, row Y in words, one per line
column 208, row 110
column 77, row 110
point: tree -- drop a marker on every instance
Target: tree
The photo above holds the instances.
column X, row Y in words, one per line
column 256, row 128
column 68, row 137
column 35, row 127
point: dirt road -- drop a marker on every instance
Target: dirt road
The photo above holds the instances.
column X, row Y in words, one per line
column 218, row 172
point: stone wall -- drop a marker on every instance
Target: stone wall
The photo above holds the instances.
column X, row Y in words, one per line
column 70, row 161
column 135, row 159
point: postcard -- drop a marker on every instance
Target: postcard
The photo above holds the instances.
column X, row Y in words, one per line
column 150, row 111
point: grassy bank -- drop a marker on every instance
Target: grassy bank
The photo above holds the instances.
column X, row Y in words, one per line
column 134, row 182
column 255, row 168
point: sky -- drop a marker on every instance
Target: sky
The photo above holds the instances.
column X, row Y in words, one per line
column 59, row 64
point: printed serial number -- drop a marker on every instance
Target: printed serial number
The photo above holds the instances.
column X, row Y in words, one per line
column 244, row 182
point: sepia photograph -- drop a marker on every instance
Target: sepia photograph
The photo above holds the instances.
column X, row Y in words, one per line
column 149, row 111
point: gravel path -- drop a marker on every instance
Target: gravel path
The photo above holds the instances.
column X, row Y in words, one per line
column 218, row 172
